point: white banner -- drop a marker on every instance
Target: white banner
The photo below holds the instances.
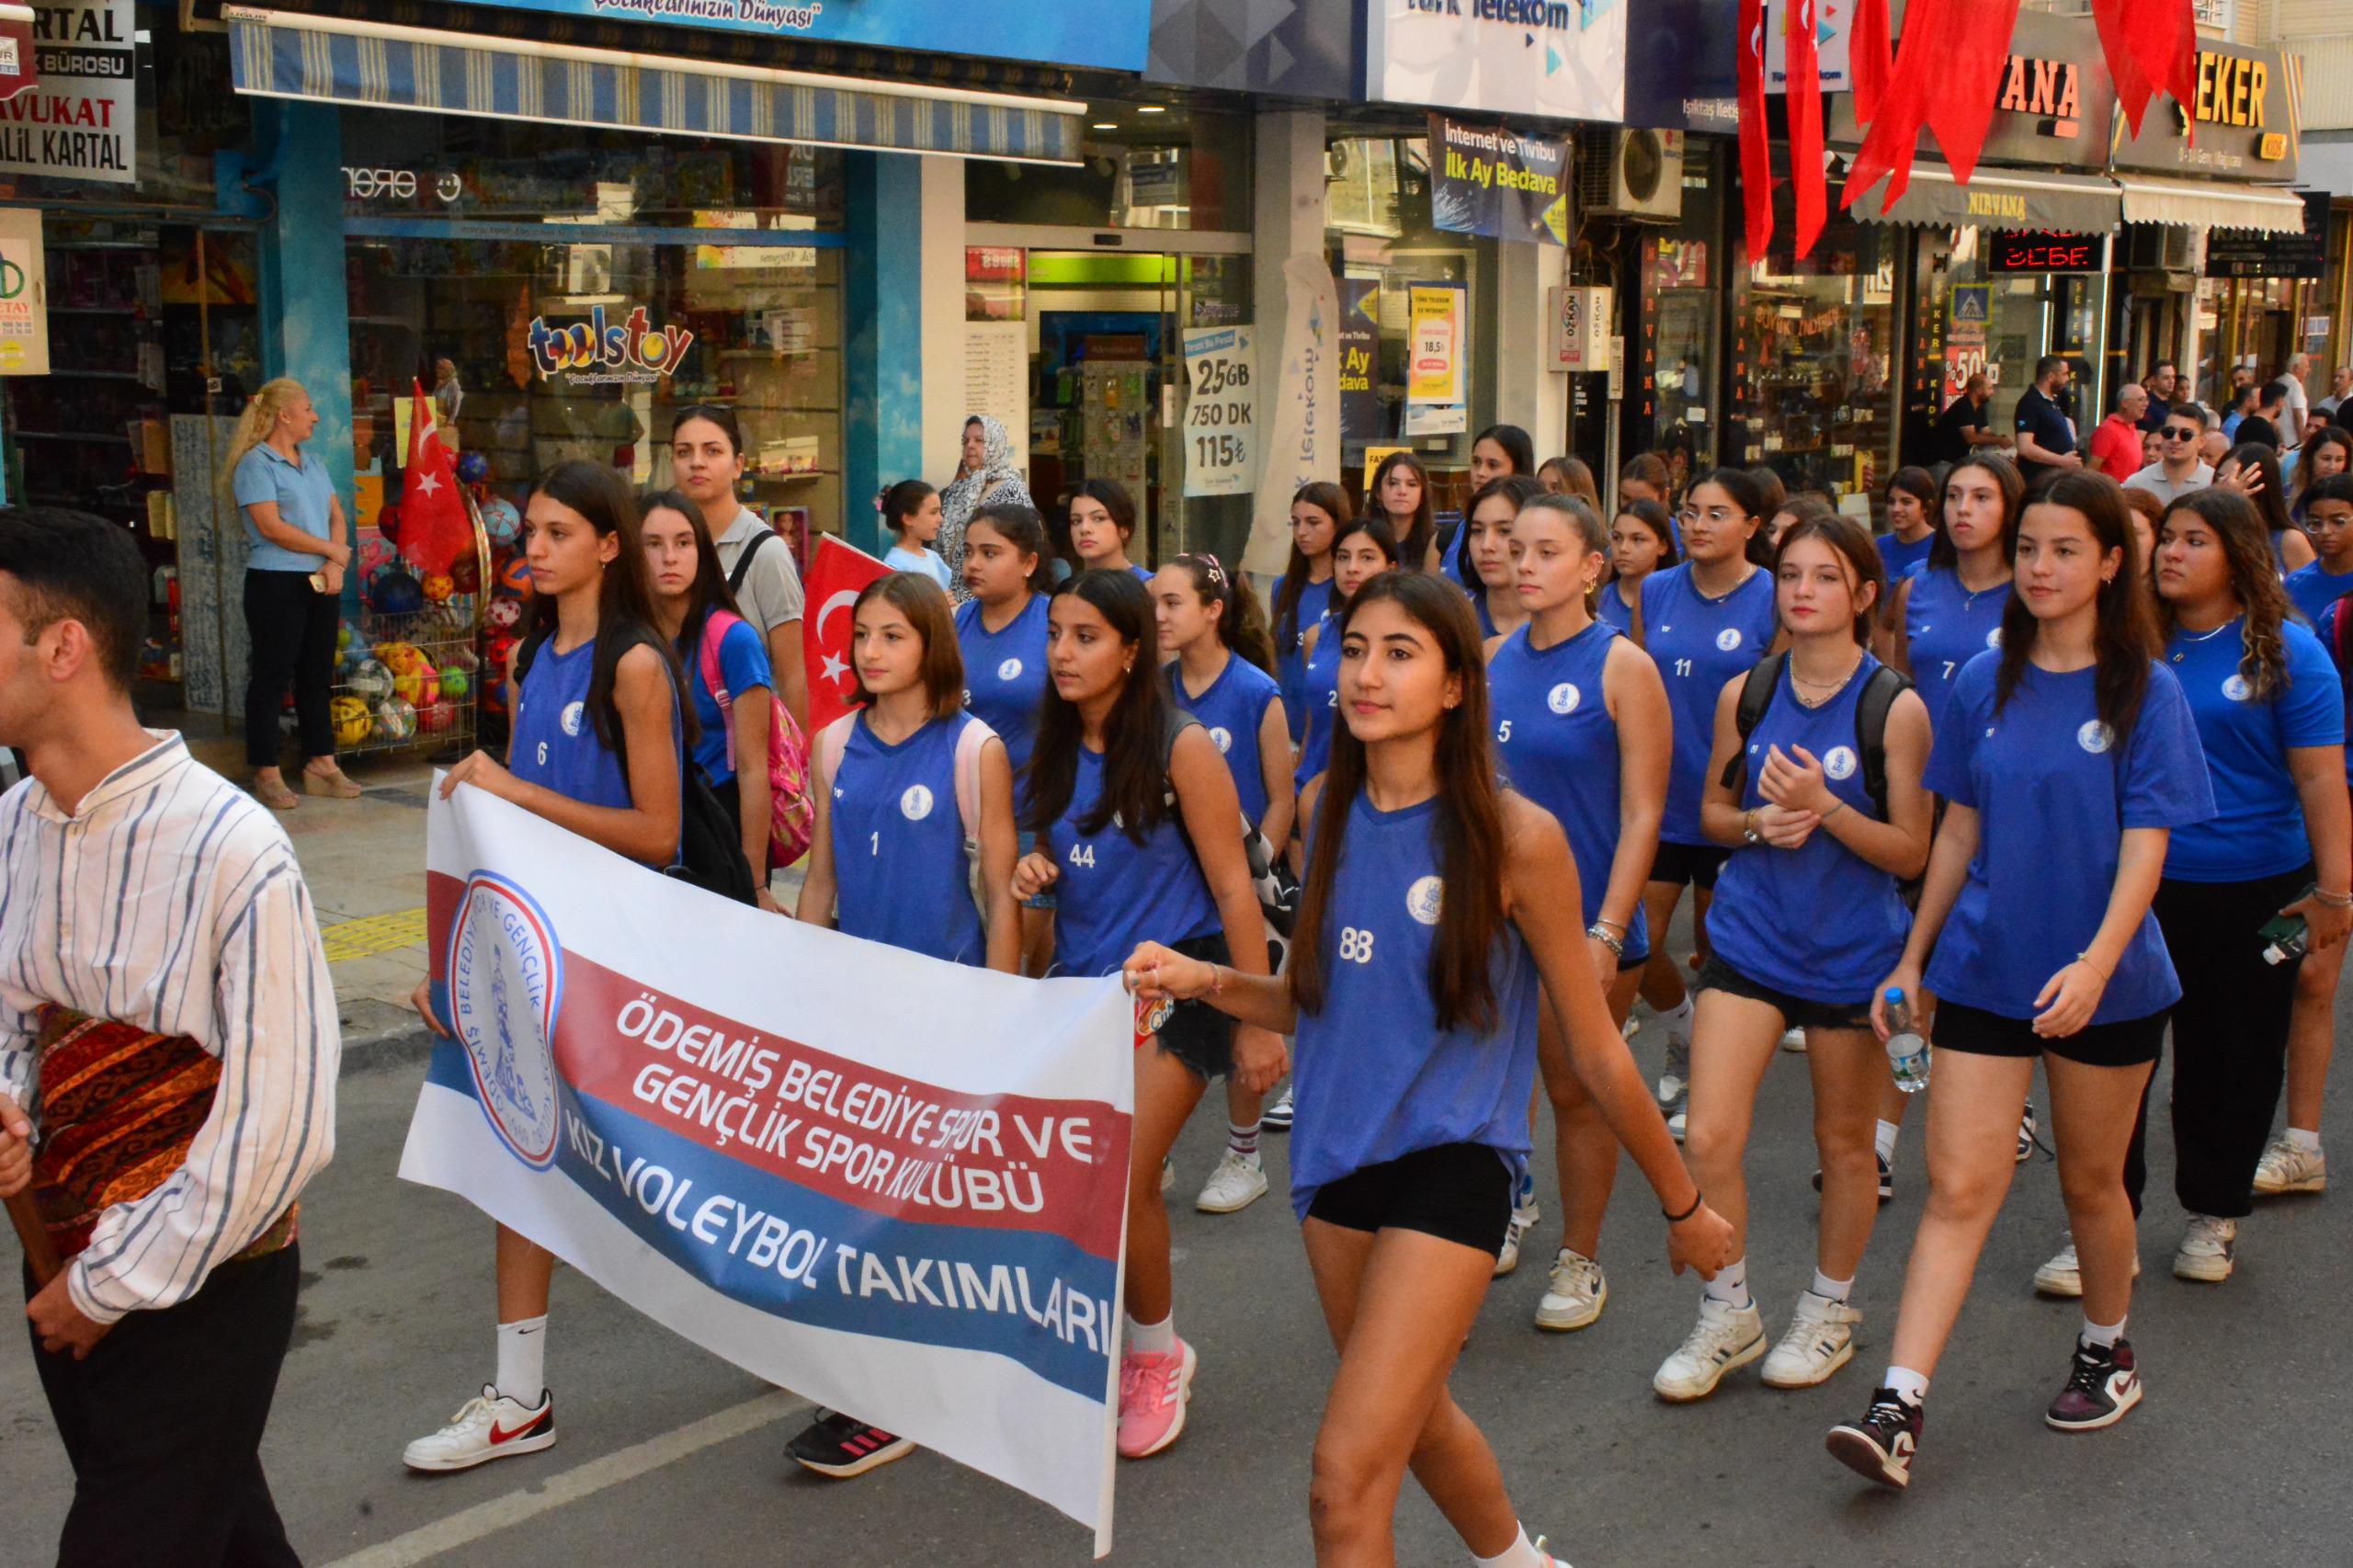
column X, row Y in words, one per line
column 1304, row 429
column 894, row 1185
column 82, row 122
column 1550, row 59
column 1220, row 404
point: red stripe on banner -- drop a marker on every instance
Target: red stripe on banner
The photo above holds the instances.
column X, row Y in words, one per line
column 443, row 893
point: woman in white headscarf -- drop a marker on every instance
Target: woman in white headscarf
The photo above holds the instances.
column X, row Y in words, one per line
column 987, row 473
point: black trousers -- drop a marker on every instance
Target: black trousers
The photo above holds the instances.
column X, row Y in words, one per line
column 2230, row 1033
column 163, row 1424
column 292, row 628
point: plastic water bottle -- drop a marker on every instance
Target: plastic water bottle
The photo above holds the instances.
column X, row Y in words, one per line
column 1907, row 1054
column 2287, row 940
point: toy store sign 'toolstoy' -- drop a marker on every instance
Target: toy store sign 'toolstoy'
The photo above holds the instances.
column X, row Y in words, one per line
column 601, row 350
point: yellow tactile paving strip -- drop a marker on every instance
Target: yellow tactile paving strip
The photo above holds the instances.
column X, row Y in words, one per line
column 372, row 934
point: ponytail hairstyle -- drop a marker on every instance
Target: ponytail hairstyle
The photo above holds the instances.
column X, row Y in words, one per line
column 925, row 603
column 2006, row 479
column 900, row 501
column 1019, row 526
column 625, row 616
column 709, row 590
column 1813, row 519
column 1771, row 494
column 1648, row 469
column 1573, row 477
column 1333, row 501
column 1241, row 625
column 2254, row 583
column 2124, row 638
column 1416, row 542
column 1587, row 525
column 1654, row 516
column 1468, row 823
column 256, row 421
column 1741, row 485
column 1135, row 733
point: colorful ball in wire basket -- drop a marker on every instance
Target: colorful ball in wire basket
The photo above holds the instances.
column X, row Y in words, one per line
column 395, row 720
column 436, row 719
column 438, row 587
column 455, row 684
column 349, row 715
column 371, row 682
column 515, row 578
column 500, row 520
column 472, row 467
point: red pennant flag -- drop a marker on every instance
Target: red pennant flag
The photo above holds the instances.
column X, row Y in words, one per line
column 1756, row 149
column 1947, row 74
column 434, row 526
column 1804, row 103
column 2152, row 47
column 836, row 573
column 1870, row 58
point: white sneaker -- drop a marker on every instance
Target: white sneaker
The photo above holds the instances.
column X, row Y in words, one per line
column 1167, row 1172
column 1724, row 1337
column 1239, row 1181
column 2286, row 1169
column 1522, row 1221
column 1675, row 1124
column 2063, row 1275
column 1277, row 1116
column 1794, row 1039
column 1575, row 1296
column 1674, row 1079
column 1820, row 1340
column 2206, row 1249
column 489, row 1427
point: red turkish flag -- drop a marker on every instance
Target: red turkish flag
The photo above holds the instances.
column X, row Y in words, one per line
column 1756, row 149
column 1947, row 74
column 2152, row 47
column 836, row 573
column 1870, row 59
column 1804, row 102
column 435, row 528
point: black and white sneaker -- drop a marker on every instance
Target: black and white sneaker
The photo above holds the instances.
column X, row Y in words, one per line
column 1886, row 1180
column 1879, row 1447
column 2102, row 1385
column 2029, row 1135
column 1277, row 1117
column 843, row 1445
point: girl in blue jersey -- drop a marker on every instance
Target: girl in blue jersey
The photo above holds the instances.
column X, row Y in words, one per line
column 2270, row 713
column 1219, row 674
column 1500, row 451
column 1001, row 628
column 1911, row 524
column 596, row 749
column 1702, row 623
column 1493, row 581
column 1102, row 522
column 691, row 595
column 1305, row 596
column 1440, row 916
column 2327, row 455
column 1365, row 549
column 1949, row 610
column 1641, row 540
column 888, row 861
column 1400, row 496
column 2066, row 760
column 2327, row 521
column 1582, row 729
column 1139, row 833
column 2252, row 469
column 1807, row 916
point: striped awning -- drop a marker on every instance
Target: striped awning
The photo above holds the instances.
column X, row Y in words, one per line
column 286, row 54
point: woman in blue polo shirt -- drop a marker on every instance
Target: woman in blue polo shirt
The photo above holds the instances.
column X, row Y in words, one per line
column 297, row 551
column 2270, row 715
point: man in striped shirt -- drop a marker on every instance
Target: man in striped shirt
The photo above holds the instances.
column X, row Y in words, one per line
column 167, row 1022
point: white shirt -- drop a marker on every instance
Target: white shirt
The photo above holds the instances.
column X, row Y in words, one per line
column 2152, row 480
column 771, row 596
column 170, row 899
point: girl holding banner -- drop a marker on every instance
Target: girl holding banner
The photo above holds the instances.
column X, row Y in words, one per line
column 597, row 749
column 1417, row 1054
column 1138, row 829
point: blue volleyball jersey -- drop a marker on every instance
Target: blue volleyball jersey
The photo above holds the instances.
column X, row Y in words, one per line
column 1558, row 746
column 900, row 870
column 1610, row 605
column 1818, row 922
column 1320, row 692
column 1945, row 626
column 1291, row 655
column 1376, row 1078
column 1005, row 673
column 2257, row 828
column 1896, row 558
column 2054, row 793
column 554, row 743
column 2313, row 589
column 1700, row 643
column 1114, row 893
column 1232, row 709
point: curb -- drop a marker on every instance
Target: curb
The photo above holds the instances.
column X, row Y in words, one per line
column 377, row 1050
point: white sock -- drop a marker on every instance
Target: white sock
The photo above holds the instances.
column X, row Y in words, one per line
column 1831, row 1289
column 2299, row 1139
column 1240, row 1139
column 1906, row 1384
column 1678, row 1018
column 1884, row 1140
column 523, row 1359
column 1151, row 1338
column 2103, row 1336
column 1731, row 1284
column 1520, row 1553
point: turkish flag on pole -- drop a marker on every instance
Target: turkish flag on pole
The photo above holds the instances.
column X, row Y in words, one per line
column 2152, row 47
column 1868, row 59
column 836, row 573
column 1804, row 103
column 435, row 528
column 1756, row 149
column 1947, row 76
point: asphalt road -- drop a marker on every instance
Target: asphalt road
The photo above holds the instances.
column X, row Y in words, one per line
column 2238, row 1454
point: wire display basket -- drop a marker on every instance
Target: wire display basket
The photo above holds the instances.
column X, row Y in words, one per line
column 410, row 681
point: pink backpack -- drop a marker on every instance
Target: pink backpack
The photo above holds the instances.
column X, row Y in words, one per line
column 792, row 818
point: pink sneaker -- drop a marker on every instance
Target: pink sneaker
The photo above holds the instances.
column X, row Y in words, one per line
column 1153, row 1392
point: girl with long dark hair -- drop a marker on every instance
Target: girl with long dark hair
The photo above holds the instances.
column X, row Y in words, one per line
column 2325, row 456
column 1641, row 540
column 1807, row 916
column 1491, row 581
column 597, row 748
column 1001, row 631
column 707, row 463
column 1364, row 549
column 1137, row 823
column 1305, row 596
column 1439, row 918
column 1911, row 523
column 1582, row 729
column 1102, row 522
column 1949, row 610
column 1400, row 496
column 2066, row 759
column 1500, row 451
column 2252, row 469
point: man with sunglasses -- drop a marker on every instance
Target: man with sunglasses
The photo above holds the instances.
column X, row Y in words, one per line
column 2178, row 470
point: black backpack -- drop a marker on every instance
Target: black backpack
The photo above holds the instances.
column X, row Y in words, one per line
column 1871, row 708
column 1277, row 891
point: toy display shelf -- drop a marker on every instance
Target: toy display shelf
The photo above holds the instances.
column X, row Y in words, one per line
column 416, row 712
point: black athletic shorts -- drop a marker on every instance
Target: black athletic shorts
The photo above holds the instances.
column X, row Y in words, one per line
column 1694, row 863
column 1457, row 1192
column 2127, row 1042
column 1194, row 1032
column 1797, row 1013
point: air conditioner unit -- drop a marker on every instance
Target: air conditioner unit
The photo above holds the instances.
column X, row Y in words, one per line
column 1633, row 172
column 2160, row 247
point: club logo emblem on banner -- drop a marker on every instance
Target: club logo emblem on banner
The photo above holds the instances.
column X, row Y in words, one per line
column 506, row 981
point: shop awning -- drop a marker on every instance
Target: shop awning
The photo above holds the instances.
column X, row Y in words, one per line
column 286, row 54
column 2211, row 204
column 2000, row 198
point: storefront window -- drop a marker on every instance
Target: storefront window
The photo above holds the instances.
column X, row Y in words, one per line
column 1994, row 304
column 1682, row 292
column 1812, row 358
column 1146, row 163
